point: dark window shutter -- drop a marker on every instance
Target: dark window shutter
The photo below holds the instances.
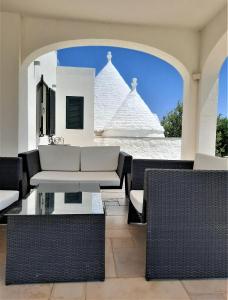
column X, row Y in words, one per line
column 74, row 112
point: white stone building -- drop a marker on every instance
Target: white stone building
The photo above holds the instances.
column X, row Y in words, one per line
column 117, row 114
column 119, row 110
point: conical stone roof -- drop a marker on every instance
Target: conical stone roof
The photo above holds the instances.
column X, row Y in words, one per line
column 134, row 118
column 110, row 92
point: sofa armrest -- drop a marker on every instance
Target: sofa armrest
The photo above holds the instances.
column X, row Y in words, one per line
column 31, row 166
column 11, row 174
column 140, row 165
column 124, row 165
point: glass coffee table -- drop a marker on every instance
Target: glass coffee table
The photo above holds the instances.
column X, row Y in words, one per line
column 56, row 234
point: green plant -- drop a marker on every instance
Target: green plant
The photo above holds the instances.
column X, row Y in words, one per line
column 172, row 122
column 222, row 136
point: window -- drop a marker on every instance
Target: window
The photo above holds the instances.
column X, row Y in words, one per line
column 73, row 198
column 74, row 112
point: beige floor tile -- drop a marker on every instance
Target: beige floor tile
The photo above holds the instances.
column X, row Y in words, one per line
column 205, row 286
column 2, row 258
column 130, row 262
column 116, row 210
column 116, row 222
column 139, row 235
column 2, row 241
column 123, row 201
column 25, row 292
column 135, row 289
column 111, row 202
column 118, row 233
column 112, row 289
column 110, row 270
column 2, row 275
column 209, row 297
column 123, row 243
column 164, row 290
column 68, row 291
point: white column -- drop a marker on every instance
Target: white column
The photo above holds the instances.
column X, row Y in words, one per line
column 207, row 116
column 10, row 56
column 189, row 119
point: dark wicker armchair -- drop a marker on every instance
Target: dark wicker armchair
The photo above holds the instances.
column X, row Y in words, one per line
column 135, row 181
column 186, row 224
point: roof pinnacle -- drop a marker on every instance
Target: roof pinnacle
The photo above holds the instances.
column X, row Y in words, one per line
column 134, row 84
column 109, row 56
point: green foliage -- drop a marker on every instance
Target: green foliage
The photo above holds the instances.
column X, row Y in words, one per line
column 222, row 136
column 172, row 122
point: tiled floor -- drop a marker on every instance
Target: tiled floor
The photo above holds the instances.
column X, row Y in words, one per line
column 125, row 261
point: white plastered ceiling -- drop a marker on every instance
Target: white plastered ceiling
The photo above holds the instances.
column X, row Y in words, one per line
column 193, row 14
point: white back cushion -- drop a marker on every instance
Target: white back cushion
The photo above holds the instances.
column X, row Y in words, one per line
column 59, row 158
column 99, row 158
column 207, row 162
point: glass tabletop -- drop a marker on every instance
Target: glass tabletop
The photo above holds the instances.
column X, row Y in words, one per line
column 60, row 199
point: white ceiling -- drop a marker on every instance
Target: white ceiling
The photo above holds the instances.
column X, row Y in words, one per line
column 193, row 14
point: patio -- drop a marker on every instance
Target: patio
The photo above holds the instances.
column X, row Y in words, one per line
column 193, row 43
column 125, row 256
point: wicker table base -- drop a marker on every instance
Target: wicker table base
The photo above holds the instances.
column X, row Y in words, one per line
column 55, row 248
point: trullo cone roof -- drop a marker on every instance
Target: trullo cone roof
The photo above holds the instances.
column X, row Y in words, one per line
column 110, row 92
column 135, row 116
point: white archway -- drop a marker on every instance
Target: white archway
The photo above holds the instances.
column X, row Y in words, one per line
column 208, row 97
column 188, row 138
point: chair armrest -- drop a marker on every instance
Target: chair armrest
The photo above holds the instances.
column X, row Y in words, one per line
column 124, row 165
column 140, row 165
column 183, row 194
column 31, row 165
column 11, row 173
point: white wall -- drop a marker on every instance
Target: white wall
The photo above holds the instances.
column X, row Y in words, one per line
column 214, row 49
column 75, row 82
column 182, row 44
column 147, row 148
column 47, row 68
column 10, row 63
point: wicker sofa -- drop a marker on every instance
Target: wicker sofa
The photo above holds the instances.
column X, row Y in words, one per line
column 186, row 215
column 106, row 166
column 10, row 181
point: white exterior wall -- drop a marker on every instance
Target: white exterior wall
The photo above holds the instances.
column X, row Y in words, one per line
column 158, row 148
column 75, row 82
column 47, row 68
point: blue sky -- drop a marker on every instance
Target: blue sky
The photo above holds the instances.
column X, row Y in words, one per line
column 159, row 84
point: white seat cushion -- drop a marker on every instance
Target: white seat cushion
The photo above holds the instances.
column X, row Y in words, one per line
column 54, row 177
column 59, row 158
column 136, row 197
column 101, row 178
column 99, row 158
column 208, row 162
column 7, row 198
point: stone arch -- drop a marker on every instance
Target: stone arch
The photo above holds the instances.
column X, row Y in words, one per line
column 187, row 144
column 208, row 97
